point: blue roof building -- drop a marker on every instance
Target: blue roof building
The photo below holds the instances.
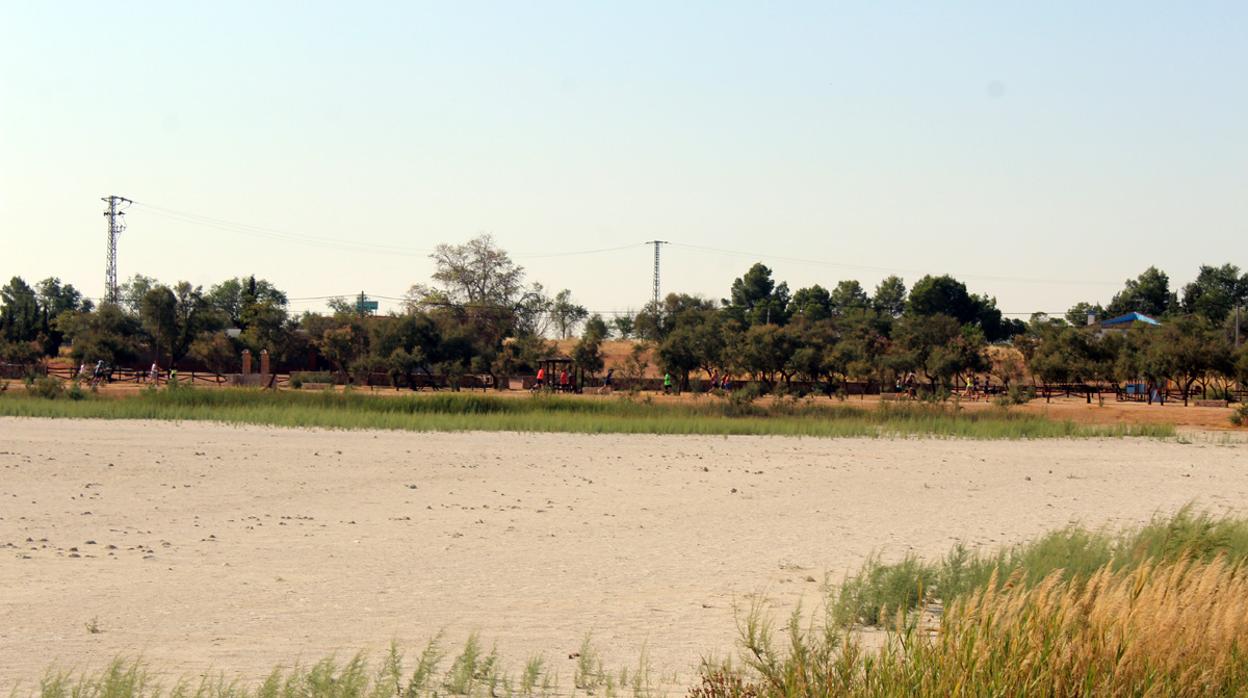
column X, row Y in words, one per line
column 1125, row 321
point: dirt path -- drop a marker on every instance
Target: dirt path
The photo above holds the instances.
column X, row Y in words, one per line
column 201, row 546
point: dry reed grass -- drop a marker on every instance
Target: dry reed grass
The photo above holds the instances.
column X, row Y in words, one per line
column 1162, row 628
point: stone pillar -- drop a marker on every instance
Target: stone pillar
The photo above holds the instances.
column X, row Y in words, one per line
column 246, row 362
column 264, row 362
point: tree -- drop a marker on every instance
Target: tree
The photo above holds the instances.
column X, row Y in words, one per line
column 19, row 312
column 215, row 351
column 341, row 305
column 964, row 354
column 479, row 284
column 654, row 323
column 477, row 272
column 241, row 299
column 1068, row 354
column 596, row 325
column 937, row 346
column 767, row 350
column 1216, row 292
column 890, row 297
column 756, row 299
column 942, row 295
column 945, row 295
column 1078, row 314
column 696, row 340
column 588, row 351
column 533, row 312
column 864, row 343
column 623, row 325
column 25, row 354
column 56, row 298
column 193, row 318
column 1190, row 349
column 1149, row 293
column 1241, row 366
column 130, row 294
column 566, row 313
column 813, row 303
column 847, row 296
column 105, row 334
column 414, row 334
column 818, row 350
column 343, row 346
column 158, row 316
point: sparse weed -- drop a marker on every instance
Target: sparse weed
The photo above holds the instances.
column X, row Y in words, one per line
column 589, row 674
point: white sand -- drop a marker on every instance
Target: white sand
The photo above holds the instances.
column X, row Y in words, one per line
column 242, row 548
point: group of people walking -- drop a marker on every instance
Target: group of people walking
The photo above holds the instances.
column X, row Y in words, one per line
column 103, row 373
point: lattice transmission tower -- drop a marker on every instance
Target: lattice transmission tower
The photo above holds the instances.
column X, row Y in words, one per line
column 658, row 244
column 116, row 215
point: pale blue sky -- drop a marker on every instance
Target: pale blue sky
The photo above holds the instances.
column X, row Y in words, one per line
column 1070, row 144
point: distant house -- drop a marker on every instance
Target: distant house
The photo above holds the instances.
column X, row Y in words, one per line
column 1122, row 323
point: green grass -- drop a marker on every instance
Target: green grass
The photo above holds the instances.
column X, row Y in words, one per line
column 880, row 590
column 616, row 415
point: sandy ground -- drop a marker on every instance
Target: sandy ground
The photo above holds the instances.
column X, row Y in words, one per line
column 203, row 546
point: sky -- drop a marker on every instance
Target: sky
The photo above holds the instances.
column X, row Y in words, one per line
column 1040, row 152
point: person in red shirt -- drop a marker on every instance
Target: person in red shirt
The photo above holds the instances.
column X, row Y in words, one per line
column 541, row 378
column 563, row 379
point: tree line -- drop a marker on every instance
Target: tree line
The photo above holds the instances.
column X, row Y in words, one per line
column 478, row 315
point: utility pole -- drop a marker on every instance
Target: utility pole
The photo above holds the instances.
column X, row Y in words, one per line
column 116, row 224
column 658, row 244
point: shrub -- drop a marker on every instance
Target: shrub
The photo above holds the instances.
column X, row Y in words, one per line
column 312, row 377
column 46, row 387
column 741, row 401
column 1015, row 395
column 1240, row 416
column 76, row 392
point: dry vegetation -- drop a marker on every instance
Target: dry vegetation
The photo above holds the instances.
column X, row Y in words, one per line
column 1166, row 614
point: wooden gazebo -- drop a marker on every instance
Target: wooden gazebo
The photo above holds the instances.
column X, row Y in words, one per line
column 555, row 366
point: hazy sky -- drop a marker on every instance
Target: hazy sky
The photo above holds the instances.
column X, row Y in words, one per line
column 1042, row 151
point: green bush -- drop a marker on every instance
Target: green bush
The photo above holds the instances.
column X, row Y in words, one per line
column 312, row 377
column 741, row 401
column 46, row 387
column 1015, row 395
column 1240, row 416
column 76, row 392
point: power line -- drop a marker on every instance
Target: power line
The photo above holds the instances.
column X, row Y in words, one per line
column 888, row 270
column 335, row 243
column 282, row 236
